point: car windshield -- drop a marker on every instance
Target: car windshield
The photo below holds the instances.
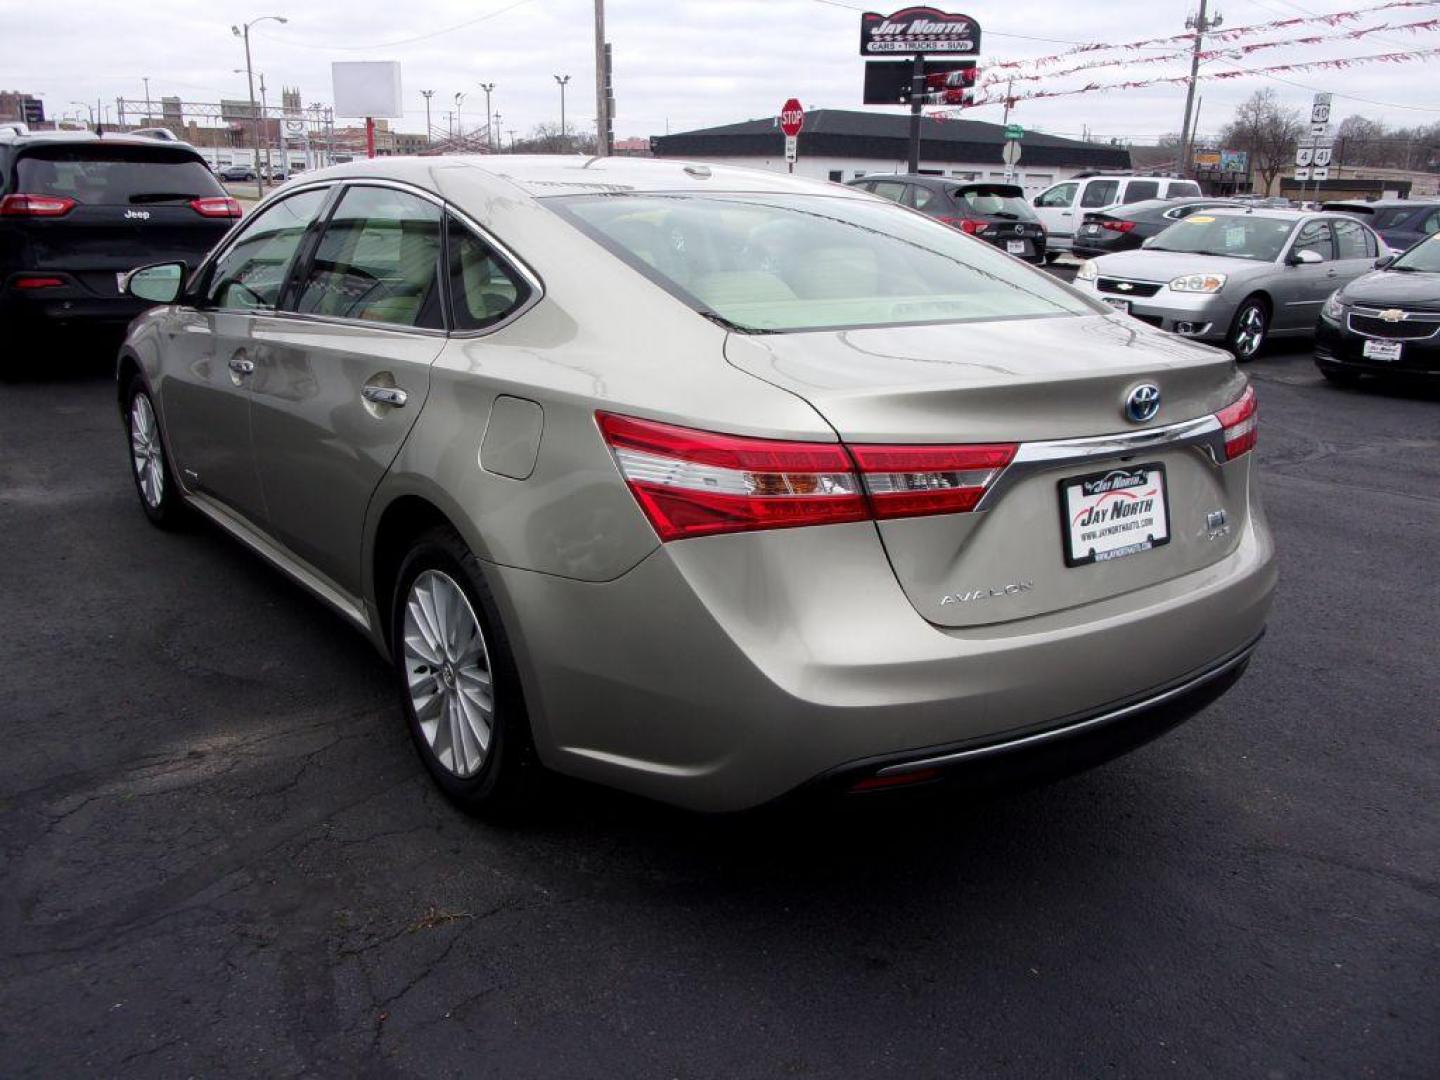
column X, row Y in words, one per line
column 1238, row 236
column 1424, row 257
column 809, row 262
column 1002, row 200
column 97, row 174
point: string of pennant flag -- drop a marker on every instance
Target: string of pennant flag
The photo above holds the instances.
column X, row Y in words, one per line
column 1336, row 64
column 1240, row 52
column 1225, row 36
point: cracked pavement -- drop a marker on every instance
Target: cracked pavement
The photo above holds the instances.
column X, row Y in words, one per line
column 219, row 854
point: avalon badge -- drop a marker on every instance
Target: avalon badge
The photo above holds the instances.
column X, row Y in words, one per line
column 1142, row 403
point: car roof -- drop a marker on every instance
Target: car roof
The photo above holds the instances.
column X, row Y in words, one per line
column 542, row 175
column 86, row 138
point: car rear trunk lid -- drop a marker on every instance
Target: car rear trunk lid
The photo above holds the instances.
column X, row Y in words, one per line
column 1057, row 387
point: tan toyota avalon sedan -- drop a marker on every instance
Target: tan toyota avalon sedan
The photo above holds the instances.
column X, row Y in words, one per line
column 706, row 483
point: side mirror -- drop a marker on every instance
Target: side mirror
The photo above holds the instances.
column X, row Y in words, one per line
column 1384, row 261
column 1036, row 201
column 1304, row 257
column 160, row 283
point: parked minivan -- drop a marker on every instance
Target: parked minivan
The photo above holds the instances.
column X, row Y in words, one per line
column 1061, row 207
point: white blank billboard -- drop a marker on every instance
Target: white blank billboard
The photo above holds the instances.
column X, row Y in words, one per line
column 367, row 88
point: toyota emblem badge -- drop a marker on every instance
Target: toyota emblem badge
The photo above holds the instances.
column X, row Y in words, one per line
column 1142, row 403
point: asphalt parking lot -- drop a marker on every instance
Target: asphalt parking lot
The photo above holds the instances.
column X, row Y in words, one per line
column 220, row 854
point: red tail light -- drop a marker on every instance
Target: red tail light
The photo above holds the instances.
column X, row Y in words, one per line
column 38, row 283
column 35, row 206
column 1239, row 420
column 1118, row 226
column 694, row 483
column 217, row 206
column 697, row 483
column 965, row 225
column 909, row 481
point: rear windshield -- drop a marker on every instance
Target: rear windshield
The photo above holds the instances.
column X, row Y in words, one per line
column 1238, row 236
column 1001, row 201
column 115, row 175
column 809, row 262
column 1392, row 216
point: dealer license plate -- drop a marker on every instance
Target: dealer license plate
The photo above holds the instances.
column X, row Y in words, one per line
column 1108, row 515
column 1015, row 247
column 1381, row 350
column 1090, row 230
column 1117, row 304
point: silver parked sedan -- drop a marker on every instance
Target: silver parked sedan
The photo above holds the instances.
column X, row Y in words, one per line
column 1238, row 277
column 706, row 483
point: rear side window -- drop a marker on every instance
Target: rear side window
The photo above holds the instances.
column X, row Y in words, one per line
column 483, row 289
column 378, row 260
column 1392, row 217
column 889, row 189
column 100, row 175
column 1352, row 240
column 1142, row 189
column 1100, row 193
column 1431, row 225
column 251, row 273
column 923, row 196
column 1180, row 189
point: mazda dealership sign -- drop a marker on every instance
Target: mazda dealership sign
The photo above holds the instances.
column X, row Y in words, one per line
column 918, row 30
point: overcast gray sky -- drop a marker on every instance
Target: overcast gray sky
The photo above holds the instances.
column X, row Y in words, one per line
column 684, row 63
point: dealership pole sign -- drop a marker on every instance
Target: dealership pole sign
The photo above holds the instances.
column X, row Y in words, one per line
column 918, row 31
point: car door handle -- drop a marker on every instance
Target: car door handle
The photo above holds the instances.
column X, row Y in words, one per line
column 385, row 395
column 241, row 366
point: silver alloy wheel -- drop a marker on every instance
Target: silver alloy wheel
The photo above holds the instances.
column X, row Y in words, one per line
column 1250, row 331
column 145, row 451
column 447, row 670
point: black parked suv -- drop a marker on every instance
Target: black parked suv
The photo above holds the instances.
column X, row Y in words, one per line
column 998, row 213
column 79, row 210
column 1400, row 222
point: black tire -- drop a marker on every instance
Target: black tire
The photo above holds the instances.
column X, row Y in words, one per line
column 167, row 511
column 1340, row 377
column 507, row 782
column 1249, row 330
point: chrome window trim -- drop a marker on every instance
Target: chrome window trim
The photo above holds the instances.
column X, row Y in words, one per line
column 537, row 286
column 237, row 233
column 1203, row 433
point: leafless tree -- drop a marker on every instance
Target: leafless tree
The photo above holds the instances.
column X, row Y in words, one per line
column 1267, row 131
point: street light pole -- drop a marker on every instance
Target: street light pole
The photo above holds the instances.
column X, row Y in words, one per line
column 88, row 108
column 250, row 79
column 459, row 126
column 562, row 80
column 498, row 129
column 427, row 95
column 146, row 80
column 488, row 87
column 602, row 101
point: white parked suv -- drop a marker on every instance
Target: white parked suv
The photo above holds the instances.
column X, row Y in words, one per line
column 1061, row 207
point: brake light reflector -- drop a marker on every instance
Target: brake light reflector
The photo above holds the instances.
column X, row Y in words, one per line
column 909, row 481
column 217, row 206
column 38, row 283
column 1118, row 226
column 696, row 483
column 35, row 206
column 964, row 224
column 1239, row 421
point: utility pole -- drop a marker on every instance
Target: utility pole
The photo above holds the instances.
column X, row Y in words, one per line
column 1200, row 24
column 146, row 80
column 562, row 80
column 602, row 85
column 917, row 96
column 512, row 140
column 427, row 95
column 488, row 87
column 498, row 129
column 250, row 79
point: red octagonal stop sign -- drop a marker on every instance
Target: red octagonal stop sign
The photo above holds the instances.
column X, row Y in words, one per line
column 792, row 117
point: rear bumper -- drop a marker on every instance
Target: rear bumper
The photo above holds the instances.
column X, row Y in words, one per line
column 724, row 672
column 38, row 308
